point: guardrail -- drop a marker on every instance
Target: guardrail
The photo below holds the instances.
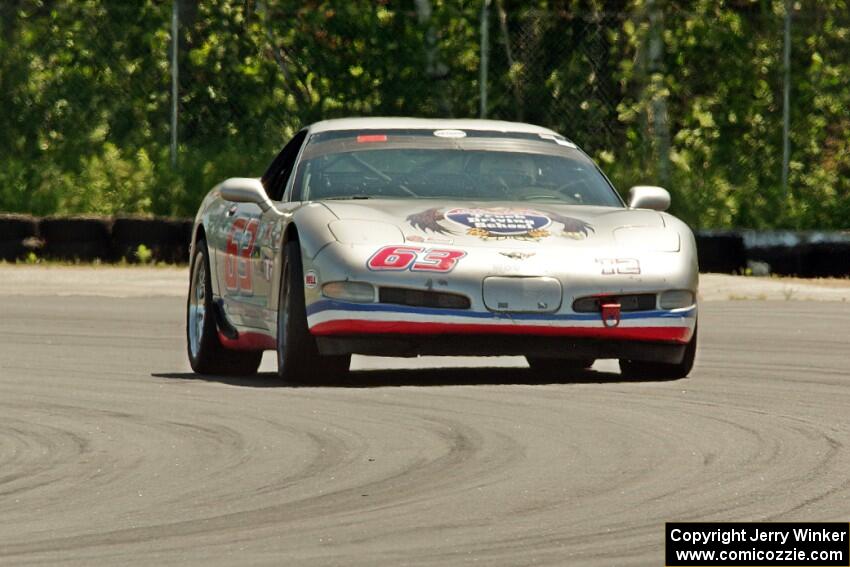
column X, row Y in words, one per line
column 805, row 254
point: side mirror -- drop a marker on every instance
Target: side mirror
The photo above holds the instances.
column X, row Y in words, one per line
column 245, row 190
column 649, row 197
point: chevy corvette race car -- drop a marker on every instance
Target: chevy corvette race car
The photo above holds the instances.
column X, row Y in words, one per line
column 406, row 237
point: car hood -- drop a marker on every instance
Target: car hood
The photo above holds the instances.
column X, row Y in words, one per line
column 508, row 224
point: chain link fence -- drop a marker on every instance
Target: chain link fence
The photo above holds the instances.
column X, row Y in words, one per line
column 87, row 121
column 558, row 69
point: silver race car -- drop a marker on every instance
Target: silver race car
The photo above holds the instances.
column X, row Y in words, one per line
column 401, row 237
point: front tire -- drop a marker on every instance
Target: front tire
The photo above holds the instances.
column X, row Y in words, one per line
column 298, row 357
column 636, row 369
column 206, row 353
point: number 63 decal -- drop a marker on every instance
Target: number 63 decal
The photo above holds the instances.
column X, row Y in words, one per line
column 414, row 258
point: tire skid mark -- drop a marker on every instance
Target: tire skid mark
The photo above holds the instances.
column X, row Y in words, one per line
column 570, row 473
column 209, row 525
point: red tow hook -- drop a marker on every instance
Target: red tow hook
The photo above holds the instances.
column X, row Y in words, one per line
column 610, row 314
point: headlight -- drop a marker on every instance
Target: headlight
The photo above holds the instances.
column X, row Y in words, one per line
column 360, row 292
column 676, row 299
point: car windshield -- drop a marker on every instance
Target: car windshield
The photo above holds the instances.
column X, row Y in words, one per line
column 449, row 164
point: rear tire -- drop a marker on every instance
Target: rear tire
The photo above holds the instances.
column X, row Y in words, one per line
column 206, row 353
column 298, row 357
column 636, row 369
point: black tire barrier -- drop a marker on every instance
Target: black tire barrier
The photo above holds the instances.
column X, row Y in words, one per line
column 783, row 260
column 721, row 252
column 11, row 251
column 804, row 254
column 182, row 253
column 163, row 238
column 18, row 234
column 75, row 238
column 129, row 233
column 827, row 259
column 88, row 238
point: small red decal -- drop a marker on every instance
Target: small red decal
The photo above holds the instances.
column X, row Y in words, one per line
column 311, row 279
column 371, row 138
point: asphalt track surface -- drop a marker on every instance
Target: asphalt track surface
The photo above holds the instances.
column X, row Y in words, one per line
column 111, row 452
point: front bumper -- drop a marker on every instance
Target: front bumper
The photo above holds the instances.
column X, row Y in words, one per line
column 335, row 318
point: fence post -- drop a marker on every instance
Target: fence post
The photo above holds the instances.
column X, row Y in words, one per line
column 485, row 56
column 786, row 101
column 174, row 72
column 506, row 39
column 658, row 104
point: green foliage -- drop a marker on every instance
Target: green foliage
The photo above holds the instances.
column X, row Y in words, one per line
column 722, row 71
column 143, row 254
column 85, row 120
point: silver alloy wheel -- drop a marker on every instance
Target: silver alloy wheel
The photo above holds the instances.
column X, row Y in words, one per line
column 197, row 305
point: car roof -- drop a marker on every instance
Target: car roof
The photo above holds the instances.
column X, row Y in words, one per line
column 386, row 123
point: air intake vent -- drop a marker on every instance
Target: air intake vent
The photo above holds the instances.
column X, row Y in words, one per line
column 422, row 298
column 634, row 302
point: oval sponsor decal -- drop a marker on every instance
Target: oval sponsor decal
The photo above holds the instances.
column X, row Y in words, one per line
column 450, row 133
column 500, row 222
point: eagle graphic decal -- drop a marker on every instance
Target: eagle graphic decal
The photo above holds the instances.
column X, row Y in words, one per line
column 428, row 220
column 499, row 223
column 574, row 228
